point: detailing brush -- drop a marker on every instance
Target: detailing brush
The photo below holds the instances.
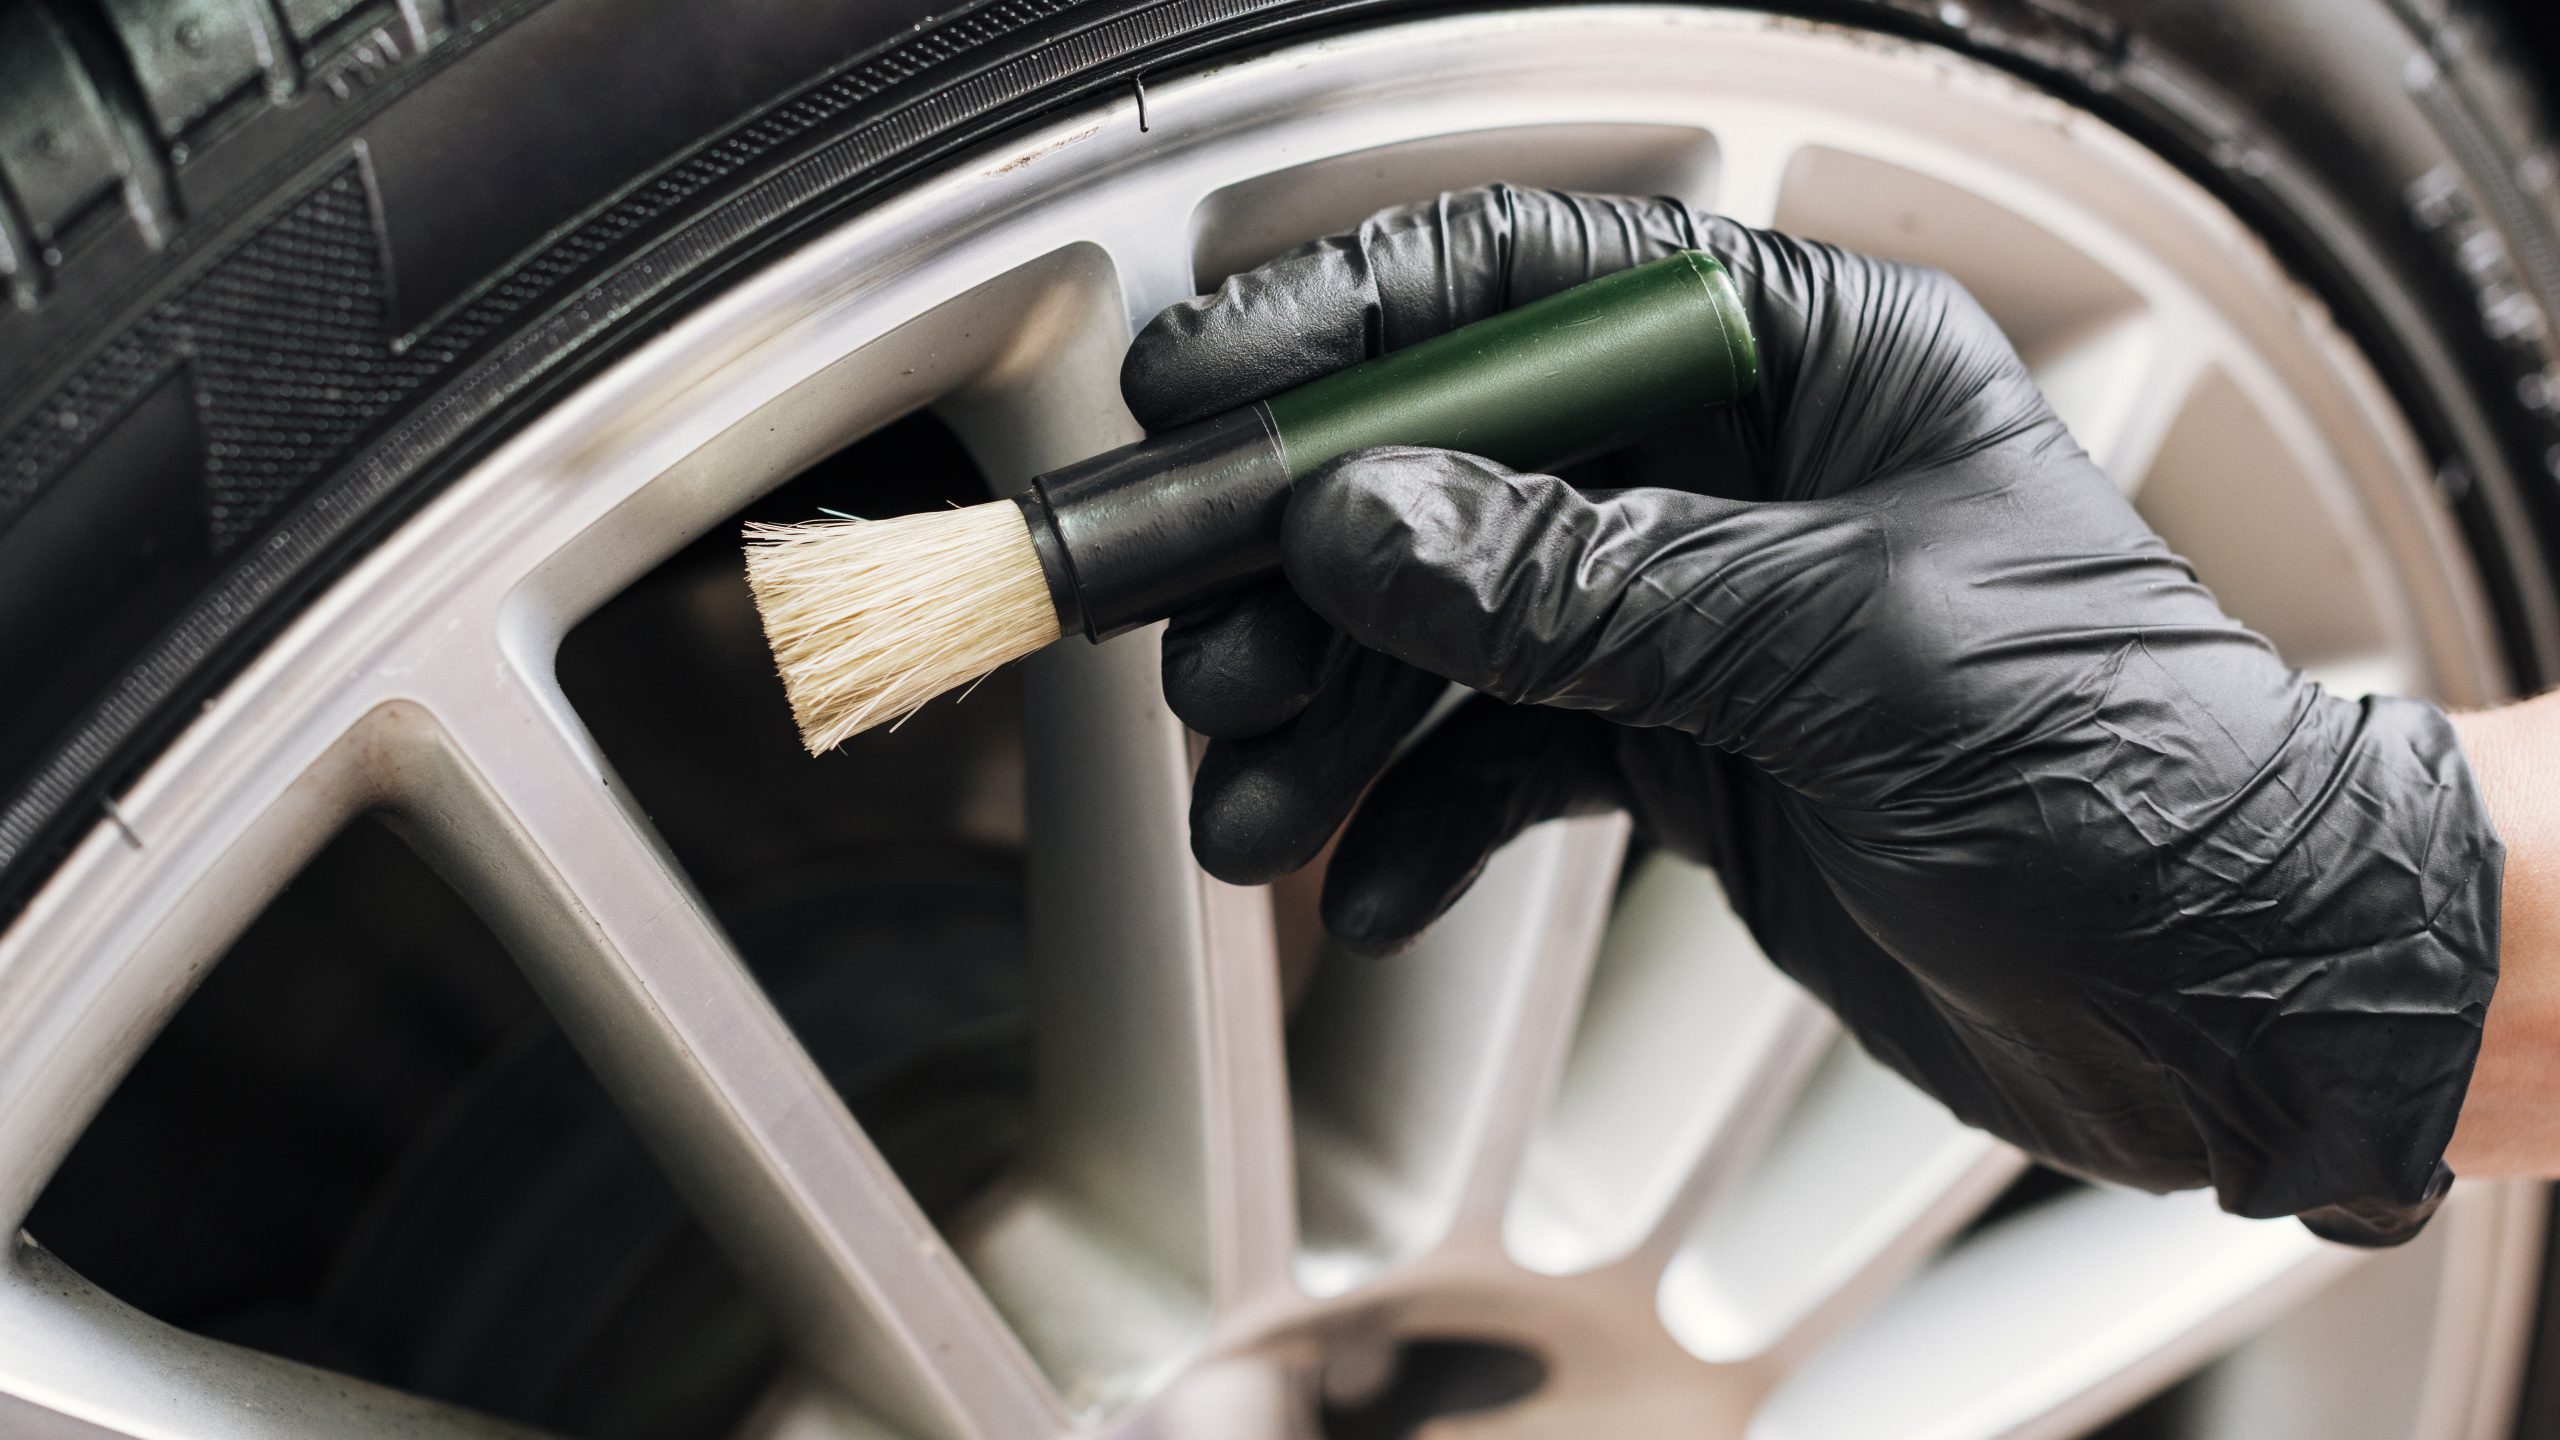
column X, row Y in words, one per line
column 869, row 619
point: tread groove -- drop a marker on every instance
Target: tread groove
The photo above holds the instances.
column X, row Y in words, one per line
column 150, row 186
column 277, row 54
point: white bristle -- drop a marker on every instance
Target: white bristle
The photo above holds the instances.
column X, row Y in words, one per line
column 869, row 619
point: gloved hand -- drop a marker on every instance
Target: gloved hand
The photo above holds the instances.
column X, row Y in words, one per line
column 1978, row 760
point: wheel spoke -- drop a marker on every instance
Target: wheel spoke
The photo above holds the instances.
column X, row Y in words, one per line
column 2245, row 489
column 1118, row 931
column 2052, row 1321
column 1419, row 1075
column 1155, row 264
column 1157, row 1189
column 802, row 1407
column 1253, row 1210
column 2461, row 1288
column 1561, row 940
column 526, row 818
column 2045, row 291
column 2119, row 385
column 2117, row 365
column 1754, row 154
column 1868, row 1177
column 75, row 1361
column 2377, row 673
column 1246, row 1398
column 1690, row 1046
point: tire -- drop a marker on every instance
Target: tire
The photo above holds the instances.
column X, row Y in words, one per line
column 284, row 271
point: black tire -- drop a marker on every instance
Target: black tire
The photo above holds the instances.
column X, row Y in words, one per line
column 280, row 268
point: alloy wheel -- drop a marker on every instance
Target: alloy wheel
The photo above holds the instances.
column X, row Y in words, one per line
column 1582, row 1126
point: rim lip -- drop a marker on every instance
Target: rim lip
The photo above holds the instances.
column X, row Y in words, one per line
column 599, row 418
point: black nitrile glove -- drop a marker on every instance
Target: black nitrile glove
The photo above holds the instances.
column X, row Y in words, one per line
column 1979, row 761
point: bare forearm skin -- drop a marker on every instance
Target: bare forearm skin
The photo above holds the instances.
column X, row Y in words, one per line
column 2511, row 1119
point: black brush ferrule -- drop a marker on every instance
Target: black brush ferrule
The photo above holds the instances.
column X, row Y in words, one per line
column 1130, row 537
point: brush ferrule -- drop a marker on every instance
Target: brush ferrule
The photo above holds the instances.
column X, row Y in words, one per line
column 1055, row 565
column 1133, row 536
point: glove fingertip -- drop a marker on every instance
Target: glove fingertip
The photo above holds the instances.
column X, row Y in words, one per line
column 1159, row 376
column 1371, row 912
column 1251, row 828
column 1431, row 826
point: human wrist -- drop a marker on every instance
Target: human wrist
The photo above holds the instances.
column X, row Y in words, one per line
column 2509, row 1125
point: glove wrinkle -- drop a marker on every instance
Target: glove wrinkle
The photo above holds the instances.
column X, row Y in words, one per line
column 1976, row 758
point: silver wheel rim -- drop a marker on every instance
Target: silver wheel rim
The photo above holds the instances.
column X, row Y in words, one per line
column 1599, row 1129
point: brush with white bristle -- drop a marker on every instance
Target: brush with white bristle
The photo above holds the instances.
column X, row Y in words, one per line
column 869, row 619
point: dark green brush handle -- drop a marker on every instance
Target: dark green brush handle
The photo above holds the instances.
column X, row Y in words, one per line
column 1556, row 380
column 1133, row 536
